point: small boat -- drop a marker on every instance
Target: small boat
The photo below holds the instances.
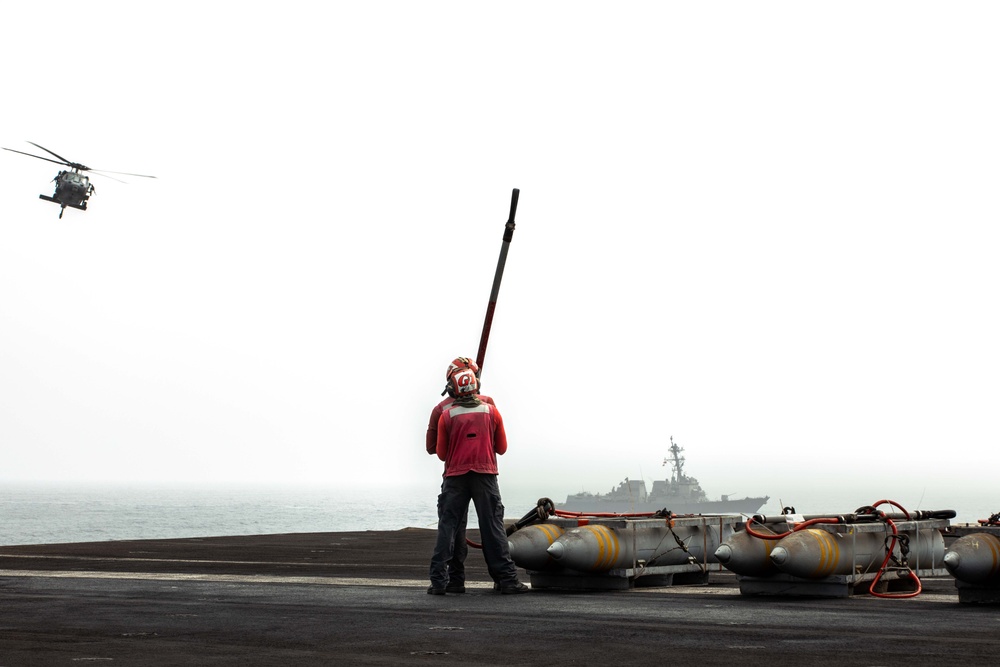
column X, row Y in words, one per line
column 681, row 494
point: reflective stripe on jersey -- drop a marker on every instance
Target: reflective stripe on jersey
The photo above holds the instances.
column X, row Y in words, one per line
column 457, row 410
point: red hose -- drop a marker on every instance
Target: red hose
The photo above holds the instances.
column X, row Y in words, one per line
column 804, row 524
column 894, row 504
column 566, row 514
column 882, row 568
column 888, row 555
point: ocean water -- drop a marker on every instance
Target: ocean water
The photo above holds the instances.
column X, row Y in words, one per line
column 53, row 514
column 65, row 513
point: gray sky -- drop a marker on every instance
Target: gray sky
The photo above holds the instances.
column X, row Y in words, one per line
column 767, row 229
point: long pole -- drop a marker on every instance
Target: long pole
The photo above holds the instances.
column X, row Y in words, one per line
column 508, row 234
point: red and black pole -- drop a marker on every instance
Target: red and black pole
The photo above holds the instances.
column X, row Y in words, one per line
column 508, row 234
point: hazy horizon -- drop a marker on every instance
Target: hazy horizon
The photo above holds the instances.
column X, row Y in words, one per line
column 769, row 231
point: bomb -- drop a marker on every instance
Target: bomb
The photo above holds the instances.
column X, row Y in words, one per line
column 974, row 558
column 745, row 554
column 528, row 545
column 814, row 553
column 599, row 548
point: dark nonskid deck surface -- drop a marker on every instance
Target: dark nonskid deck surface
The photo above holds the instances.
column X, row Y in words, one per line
column 360, row 598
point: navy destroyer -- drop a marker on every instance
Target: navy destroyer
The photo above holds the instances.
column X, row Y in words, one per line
column 681, row 494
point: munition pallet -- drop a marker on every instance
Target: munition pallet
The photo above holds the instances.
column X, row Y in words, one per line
column 835, row 586
column 614, row 553
column 624, row 579
column 839, row 560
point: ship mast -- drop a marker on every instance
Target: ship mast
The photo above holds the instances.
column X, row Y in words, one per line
column 676, row 461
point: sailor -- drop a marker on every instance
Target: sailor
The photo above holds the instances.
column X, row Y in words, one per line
column 456, row 566
column 470, row 434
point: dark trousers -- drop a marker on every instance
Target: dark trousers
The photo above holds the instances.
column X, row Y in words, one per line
column 453, row 508
column 456, row 566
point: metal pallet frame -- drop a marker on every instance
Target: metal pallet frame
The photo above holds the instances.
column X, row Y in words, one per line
column 640, row 575
column 840, row 585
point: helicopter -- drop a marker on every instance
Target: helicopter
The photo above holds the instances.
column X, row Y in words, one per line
column 73, row 188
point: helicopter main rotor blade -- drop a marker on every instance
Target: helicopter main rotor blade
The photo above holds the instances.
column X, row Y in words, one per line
column 105, row 172
column 107, row 176
column 76, row 165
column 66, row 164
column 72, row 164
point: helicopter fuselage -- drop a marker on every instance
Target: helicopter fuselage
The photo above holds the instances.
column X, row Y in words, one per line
column 72, row 189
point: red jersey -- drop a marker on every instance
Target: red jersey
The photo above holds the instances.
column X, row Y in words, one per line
column 432, row 426
column 469, row 439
